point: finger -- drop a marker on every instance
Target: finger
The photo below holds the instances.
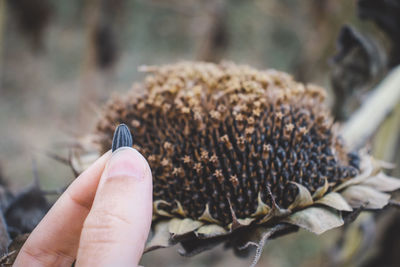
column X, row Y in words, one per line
column 54, row 242
column 117, row 226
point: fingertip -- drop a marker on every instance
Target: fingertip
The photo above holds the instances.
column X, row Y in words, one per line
column 126, row 161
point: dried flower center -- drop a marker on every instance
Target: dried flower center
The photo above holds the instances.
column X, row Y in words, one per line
column 226, row 135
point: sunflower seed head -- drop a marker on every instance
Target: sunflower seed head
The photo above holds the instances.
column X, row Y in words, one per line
column 122, row 137
column 239, row 154
column 231, row 138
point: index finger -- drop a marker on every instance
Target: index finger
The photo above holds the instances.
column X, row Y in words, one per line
column 54, row 242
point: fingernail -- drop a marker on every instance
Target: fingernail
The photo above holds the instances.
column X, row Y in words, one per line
column 126, row 161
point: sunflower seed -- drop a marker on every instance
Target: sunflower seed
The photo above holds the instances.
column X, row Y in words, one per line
column 122, row 137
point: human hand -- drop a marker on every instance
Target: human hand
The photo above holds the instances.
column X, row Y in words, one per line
column 102, row 219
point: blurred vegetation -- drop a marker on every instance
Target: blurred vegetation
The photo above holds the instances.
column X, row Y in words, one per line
column 61, row 60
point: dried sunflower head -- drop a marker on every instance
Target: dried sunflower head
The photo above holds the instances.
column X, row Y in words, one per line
column 239, row 155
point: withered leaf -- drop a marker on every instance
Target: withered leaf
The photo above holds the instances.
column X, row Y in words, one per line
column 26, row 211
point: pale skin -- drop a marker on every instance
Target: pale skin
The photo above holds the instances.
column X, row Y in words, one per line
column 102, row 219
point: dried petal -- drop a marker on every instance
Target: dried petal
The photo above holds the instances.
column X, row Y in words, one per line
column 365, row 196
column 382, row 182
column 321, row 190
column 262, row 208
column 334, row 200
column 303, row 198
column 206, row 216
column 315, row 219
column 80, row 162
column 159, row 211
column 179, row 227
column 161, row 237
column 210, row 230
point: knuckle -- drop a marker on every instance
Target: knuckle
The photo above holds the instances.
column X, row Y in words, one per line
column 45, row 257
column 105, row 220
column 78, row 202
column 102, row 227
column 120, row 182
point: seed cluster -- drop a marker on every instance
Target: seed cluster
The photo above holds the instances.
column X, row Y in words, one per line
column 219, row 137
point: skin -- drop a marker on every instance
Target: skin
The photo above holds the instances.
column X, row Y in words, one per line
column 102, row 219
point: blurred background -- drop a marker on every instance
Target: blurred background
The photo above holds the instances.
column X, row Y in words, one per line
column 61, row 60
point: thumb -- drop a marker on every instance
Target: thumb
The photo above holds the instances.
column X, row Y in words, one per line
column 116, row 229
